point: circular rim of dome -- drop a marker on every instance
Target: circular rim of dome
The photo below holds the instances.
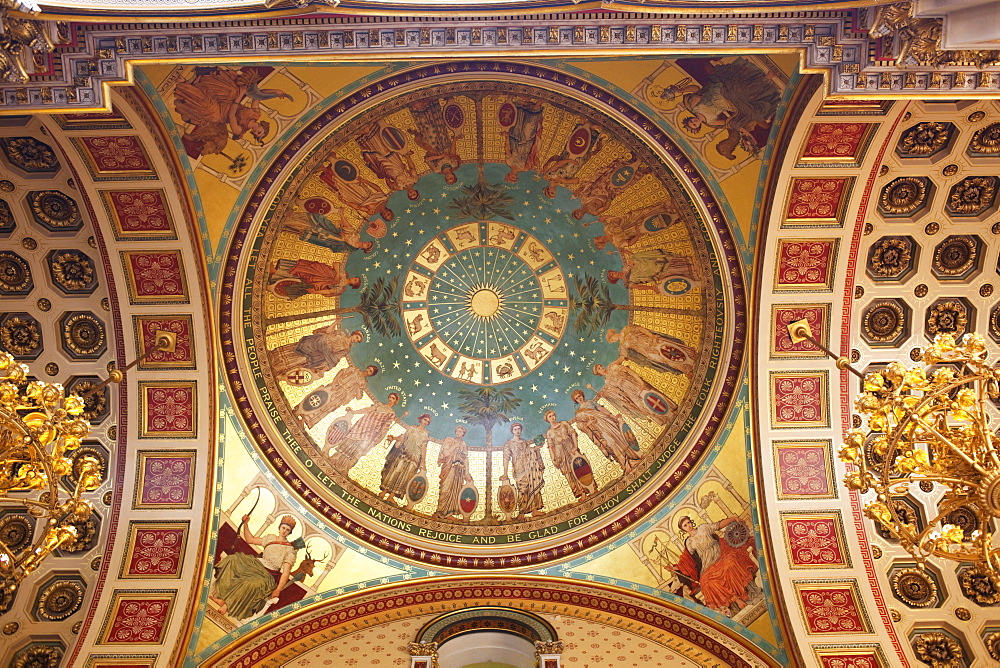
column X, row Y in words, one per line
column 536, row 551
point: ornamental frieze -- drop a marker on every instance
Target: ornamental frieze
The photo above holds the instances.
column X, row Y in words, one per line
column 863, row 52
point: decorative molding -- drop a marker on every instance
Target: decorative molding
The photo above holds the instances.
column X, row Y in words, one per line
column 818, row 317
column 832, row 606
column 799, row 399
column 154, row 550
column 836, row 144
column 804, row 470
column 22, row 40
column 165, row 479
column 119, row 660
column 806, row 264
column 834, row 42
column 850, row 656
column 155, row 277
column 138, row 617
column 917, row 41
column 139, row 214
column 169, row 409
column 817, row 202
column 146, row 327
column 815, row 540
column 115, row 158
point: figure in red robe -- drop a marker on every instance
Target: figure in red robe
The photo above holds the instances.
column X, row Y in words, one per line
column 291, row 279
column 723, row 574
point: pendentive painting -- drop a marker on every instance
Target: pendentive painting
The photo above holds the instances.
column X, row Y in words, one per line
column 482, row 309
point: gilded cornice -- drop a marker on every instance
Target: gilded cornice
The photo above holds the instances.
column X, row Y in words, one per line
column 835, row 43
column 22, row 40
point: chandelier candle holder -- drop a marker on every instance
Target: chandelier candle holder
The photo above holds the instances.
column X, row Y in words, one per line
column 39, row 427
column 930, row 424
column 165, row 342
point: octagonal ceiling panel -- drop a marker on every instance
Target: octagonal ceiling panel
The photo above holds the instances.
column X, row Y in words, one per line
column 418, row 358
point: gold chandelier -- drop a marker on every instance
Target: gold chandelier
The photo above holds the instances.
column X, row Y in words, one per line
column 39, row 427
column 929, row 426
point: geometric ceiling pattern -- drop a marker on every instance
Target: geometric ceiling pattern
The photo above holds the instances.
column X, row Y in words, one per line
column 94, row 267
column 492, row 315
column 885, row 247
column 56, row 317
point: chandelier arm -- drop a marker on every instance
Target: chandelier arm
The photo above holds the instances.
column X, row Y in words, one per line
column 164, row 342
column 994, row 457
column 942, row 479
column 32, row 502
column 960, row 555
column 984, row 431
column 992, row 558
column 892, row 446
column 943, row 439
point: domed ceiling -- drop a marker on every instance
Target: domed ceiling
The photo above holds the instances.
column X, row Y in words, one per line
column 480, row 312
column 489, row 315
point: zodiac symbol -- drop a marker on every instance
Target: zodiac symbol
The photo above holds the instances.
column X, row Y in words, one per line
column 438, row 356
column 468, row 372
column 535, row 251
column 505, row 370
column 414, row 287
column 464, row 236
column 556, row 320
column 416, row 324
column 559, row 287
column 432, row 254
column 535, row 351
column 505, row 233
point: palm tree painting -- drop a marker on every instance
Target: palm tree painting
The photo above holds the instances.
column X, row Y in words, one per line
column 379, row 308
column 592, row 304
column 486, row 407
column 483, row 201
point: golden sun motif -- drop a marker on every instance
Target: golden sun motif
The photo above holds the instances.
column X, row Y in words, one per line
column 485, row 302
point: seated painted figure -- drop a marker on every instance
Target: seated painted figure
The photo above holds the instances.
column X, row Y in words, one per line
column 245, row 583
column 723, row 574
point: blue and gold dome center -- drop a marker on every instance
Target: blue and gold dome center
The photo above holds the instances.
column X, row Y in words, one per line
column 485, row 302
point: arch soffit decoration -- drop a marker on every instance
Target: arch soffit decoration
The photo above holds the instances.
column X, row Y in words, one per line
column 677, row 628
column 133, row 432
column 529, row 626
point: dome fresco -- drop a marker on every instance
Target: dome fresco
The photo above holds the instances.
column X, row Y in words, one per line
column 482, row 314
